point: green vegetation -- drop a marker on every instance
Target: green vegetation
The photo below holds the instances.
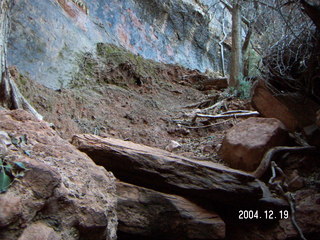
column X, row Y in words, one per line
column 243, row 91
column 252, row 62
column 64, row 51
column 9, row 172
column 110, row 53
column 22, row 80
column 84, row 73
column 113, row 65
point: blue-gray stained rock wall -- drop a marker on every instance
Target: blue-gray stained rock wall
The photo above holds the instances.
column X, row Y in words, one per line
column 48, row 35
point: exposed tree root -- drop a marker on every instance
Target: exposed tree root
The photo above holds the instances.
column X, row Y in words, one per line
column 269, row 156
column 278, row 185
column 10, row 96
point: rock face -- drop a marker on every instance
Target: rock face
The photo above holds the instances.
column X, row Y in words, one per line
column 148, row 213
column 245, row 144
column 158, row 169
column 63, row 194
column 47, row 35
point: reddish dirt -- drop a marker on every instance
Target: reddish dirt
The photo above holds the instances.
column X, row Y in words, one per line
column 152, row 113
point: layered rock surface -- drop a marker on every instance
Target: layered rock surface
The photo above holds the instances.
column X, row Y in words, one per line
column 174, row 197
column 167, row 172
column 47, row 36
column 155, row 215
column 63, row 194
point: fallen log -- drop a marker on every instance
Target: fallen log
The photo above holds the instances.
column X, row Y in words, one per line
column 163, row 171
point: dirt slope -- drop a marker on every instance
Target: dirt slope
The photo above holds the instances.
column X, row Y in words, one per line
column 115, row 93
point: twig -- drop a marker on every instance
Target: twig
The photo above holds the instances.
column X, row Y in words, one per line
column 218, row 104
column 253, row 113
column 236, row 111
column 199, row 104
column 207, row 126
column 291, row 201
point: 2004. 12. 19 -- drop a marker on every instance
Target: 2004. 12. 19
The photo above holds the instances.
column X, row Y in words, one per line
column 263, row 215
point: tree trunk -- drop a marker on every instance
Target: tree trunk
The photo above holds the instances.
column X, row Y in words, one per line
column 236, row 55
column 10, row 96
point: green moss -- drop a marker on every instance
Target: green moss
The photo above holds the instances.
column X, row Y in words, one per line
column 252, row 59
column 243, row 91
column 64, row 51
column 22, row 81
column 113, row 65
column 85, row 70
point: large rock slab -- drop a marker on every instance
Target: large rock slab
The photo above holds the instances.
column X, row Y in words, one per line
column 295, row 111
column 163, row 171
column 63, row 194
column 155, row 215
column 245, row 144
column 271, row 107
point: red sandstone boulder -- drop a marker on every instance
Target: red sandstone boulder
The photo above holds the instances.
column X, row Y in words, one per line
column 245, row 144
column 271, row 107
column 63, row 194
column 295, row 111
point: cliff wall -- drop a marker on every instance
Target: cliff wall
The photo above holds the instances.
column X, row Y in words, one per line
column 48, row 35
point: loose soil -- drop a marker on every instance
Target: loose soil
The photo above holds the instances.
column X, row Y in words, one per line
column 118, row 94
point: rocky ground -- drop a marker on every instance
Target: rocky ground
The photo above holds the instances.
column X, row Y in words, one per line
column 139, row 121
